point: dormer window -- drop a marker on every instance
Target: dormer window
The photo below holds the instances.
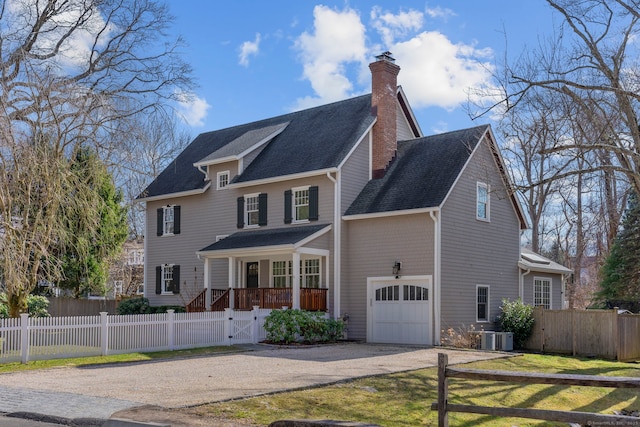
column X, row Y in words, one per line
column 222, row 179
column 168, row 220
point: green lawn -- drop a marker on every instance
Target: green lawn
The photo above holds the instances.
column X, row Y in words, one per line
column 405, row 399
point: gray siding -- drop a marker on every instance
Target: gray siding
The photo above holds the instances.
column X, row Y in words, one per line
column 211, row 214
column 355, row 174
column 556, row 288
column 477, row 252
column 373, row 247
column 402, row 126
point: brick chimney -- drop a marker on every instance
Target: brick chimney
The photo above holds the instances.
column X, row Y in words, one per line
column 384, row 83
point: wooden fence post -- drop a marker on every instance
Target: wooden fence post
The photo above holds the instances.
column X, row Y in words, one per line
column 573, row 332
column 614, row 333
column 443, row 390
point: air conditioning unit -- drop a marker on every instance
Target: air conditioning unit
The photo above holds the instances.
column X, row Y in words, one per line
column 487, row 340
column 504, row 341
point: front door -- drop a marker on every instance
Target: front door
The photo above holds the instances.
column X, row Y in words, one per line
column 252, row 274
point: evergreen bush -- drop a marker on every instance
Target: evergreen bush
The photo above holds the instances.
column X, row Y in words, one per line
column 289, row 326
column 517, row 317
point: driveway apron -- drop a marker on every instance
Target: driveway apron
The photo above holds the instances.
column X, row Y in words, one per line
column 99, row 391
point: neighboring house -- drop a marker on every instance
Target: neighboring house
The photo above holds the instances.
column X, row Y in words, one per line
column 543, row 281
column 126, row 273
column 345, row 207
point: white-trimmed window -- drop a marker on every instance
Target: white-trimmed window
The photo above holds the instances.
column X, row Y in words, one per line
column 222, row 179
column 167, row 220
column 301, row 204
column 281, row 272
column 482, row 303
column 482, row 201
column 252, row 210
column 167, row 279
column 542, row 292
column 310, row 273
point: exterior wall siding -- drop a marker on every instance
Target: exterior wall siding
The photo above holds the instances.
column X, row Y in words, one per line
column 373, row 246
column 402, row 126
column 355, row 174
column 476, row 252
column 211, row 214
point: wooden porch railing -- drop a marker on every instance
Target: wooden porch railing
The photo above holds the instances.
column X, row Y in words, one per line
column 199, row 303
column 219, row 299
column 312, row 299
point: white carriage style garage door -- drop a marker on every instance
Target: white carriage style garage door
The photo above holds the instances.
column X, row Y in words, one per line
column 400, row 311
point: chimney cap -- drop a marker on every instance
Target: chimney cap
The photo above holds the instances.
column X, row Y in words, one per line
column 386, row 56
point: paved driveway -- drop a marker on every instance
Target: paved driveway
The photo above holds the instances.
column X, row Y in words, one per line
column 193, row 381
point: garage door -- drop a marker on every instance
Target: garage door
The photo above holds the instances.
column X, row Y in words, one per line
column 400, row 311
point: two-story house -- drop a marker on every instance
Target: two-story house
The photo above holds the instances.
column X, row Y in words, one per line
column 344, row 207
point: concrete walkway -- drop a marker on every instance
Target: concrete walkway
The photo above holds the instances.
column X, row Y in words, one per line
column 100, row 391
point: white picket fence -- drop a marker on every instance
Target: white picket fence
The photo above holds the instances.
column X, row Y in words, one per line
column 23, row 339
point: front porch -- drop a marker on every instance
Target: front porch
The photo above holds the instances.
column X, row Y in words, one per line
column 266, row 268
column 311, row 299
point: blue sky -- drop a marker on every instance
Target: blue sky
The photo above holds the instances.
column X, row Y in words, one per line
column 258, row 59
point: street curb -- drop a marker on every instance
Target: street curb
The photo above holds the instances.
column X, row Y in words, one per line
column 83, row 422
column 121, row 422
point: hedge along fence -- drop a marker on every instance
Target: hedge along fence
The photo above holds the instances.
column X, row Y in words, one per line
column 600, row 333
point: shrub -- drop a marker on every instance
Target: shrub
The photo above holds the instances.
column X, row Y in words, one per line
column 517, row 317
column 288, row 326
column 463, row 337
column 36, row 306
column 141, row 306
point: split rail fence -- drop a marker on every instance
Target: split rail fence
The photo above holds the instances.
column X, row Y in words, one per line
column 600, row 333
column 23, row 339
column 443, row 406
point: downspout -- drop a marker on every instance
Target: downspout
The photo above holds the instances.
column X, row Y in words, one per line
column 337, row 236
column 437, row 290
column 521, row 290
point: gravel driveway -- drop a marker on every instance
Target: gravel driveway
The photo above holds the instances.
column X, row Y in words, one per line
column 187, row 382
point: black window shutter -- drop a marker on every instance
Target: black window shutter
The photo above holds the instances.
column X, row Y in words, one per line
column 287, row 206
column 158, row 280
column 313, row 203
column 176, row 220
column 240, row 212
column 160, row 227
column 262, row 209
column 175, row 283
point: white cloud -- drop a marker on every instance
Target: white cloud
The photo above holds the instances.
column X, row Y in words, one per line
column 392, row 26
column 439, row 12
column 338, row 39
column 248, row 49
column 192, row 109
column 436, row 72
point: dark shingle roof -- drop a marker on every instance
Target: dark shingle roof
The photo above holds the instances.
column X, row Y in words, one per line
column 421, row 175
column 317, row 138
column 265, row 237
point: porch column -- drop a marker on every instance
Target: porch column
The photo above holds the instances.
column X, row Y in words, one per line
column 295, row 286
column 232, row 280
column 207, row 285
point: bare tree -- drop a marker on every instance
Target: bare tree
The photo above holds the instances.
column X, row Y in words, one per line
column 593, row 61
column 70, row 72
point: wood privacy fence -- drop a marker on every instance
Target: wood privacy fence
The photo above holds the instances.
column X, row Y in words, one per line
column 600, row 333
column 443, row 406
column 65, row 306
column 25, row 338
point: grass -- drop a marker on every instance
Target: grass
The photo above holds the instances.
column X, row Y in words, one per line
column 116, row 358
column 404, row 399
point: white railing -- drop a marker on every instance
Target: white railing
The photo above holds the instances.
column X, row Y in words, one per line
column 26, row 338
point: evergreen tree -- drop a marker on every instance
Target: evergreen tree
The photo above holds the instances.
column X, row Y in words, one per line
column 621, row 271
column 95, row 241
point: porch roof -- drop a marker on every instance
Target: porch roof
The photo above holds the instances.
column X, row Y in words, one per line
column 274, row 239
